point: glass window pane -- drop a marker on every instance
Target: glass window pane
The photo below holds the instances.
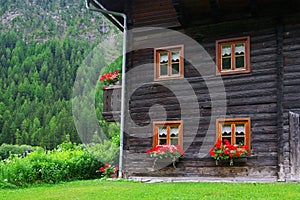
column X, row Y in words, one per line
column 226, row 51
column 226, row 130
column 174, row 131
column 175, row 68
column 162, row 141
column 240, row 62
column 239, row 49
column 240, row 140
column 240, row 129
column 175, row 56
column 174, row 141
column 226, row 63
column 163, row 70
column 226, row 57
column 163, row 58
column 162, row 131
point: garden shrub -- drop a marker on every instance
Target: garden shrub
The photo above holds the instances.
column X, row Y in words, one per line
column 107, row 151
column 67, row 162
column 7, row 149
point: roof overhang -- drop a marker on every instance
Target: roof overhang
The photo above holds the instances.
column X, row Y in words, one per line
column 111, row 5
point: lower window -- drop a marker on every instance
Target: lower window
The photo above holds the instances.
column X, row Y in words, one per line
column 167, row 133
column 235, row 130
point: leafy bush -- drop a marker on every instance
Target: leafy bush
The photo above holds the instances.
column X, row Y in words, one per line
column 7, row 149
column 67, row 162
column 107, row 151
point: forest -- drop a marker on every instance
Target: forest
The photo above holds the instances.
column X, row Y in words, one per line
column 43, row 43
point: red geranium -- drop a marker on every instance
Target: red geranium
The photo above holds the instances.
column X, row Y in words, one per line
column 225, row 150
column 108, row 169
column 165, row 151
column 110, row 77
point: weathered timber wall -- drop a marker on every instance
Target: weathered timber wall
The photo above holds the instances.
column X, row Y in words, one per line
column 251, row 95
column 266, row 95
column 291, row 92
column 154, row 13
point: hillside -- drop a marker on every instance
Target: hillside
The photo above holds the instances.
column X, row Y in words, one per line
column 43, row 20
column 42, row 45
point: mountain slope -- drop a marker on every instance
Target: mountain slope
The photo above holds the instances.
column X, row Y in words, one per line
column 42, row 45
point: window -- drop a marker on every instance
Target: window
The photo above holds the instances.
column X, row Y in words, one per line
column 169, row 132
column 235, row 130
column 168, row 63
column 232, row 56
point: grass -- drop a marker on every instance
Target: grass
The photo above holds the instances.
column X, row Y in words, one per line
column 101, row 189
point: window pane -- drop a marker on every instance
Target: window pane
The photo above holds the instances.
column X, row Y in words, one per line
column 174, row 130
column 240, row 129
column 239, row 55
column 162, row 141
column 175, row 68
column 164, row 70
column 240, row 140
column 162, row 131
column 175, row 56
column 162, row 135
column 226, row 50
column 226, row 130
column 174, row 141
column 239, row 49
column 226, row 63
column 163, row 58
column 240, row 62
column 226, row 57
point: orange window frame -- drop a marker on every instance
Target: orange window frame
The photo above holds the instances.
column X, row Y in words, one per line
column 232, row 42
column 168, row 50
column 233, row 122
column 167, row 124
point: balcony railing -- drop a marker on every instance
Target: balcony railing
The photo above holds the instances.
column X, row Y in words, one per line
column 112, row 103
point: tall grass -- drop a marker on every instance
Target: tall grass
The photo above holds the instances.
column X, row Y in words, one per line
column 99, row 189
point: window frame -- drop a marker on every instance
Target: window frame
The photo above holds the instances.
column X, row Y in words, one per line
column 232, row 42
column 233, row 122
column 168, row 50
column 156, row 125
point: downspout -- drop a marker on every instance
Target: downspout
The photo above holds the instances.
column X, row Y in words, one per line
column 101, row 9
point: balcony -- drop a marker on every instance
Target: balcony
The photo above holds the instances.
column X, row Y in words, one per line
column 112, row 103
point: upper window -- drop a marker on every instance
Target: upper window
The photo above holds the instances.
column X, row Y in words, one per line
column 168, row 63
column 233, row 56
column 167, row 133
column 235, row 130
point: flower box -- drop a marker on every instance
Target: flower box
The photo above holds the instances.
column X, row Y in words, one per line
column 110, row 78
column 224, row 151
column 165, row 155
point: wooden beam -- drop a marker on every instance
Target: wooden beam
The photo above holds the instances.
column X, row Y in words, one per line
column 214, row 7
column 179, row 7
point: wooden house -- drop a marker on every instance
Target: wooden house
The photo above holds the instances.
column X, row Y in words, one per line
column 255, row 48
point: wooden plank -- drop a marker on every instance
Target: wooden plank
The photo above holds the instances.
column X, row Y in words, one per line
column 294, row 146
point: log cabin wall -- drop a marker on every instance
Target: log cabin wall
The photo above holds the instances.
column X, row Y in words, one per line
column 291, row 94
column 266, row 94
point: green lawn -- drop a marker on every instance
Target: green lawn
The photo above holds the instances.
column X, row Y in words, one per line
column 99, row 189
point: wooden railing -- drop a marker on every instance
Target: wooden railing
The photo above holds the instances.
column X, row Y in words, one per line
column 112, row 103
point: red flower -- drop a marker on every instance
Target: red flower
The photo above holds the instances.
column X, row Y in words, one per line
column 149, row 151
column 110, row 77
column 102, row 169
column 116, row 169
column 165, row 151
column 107, row 165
